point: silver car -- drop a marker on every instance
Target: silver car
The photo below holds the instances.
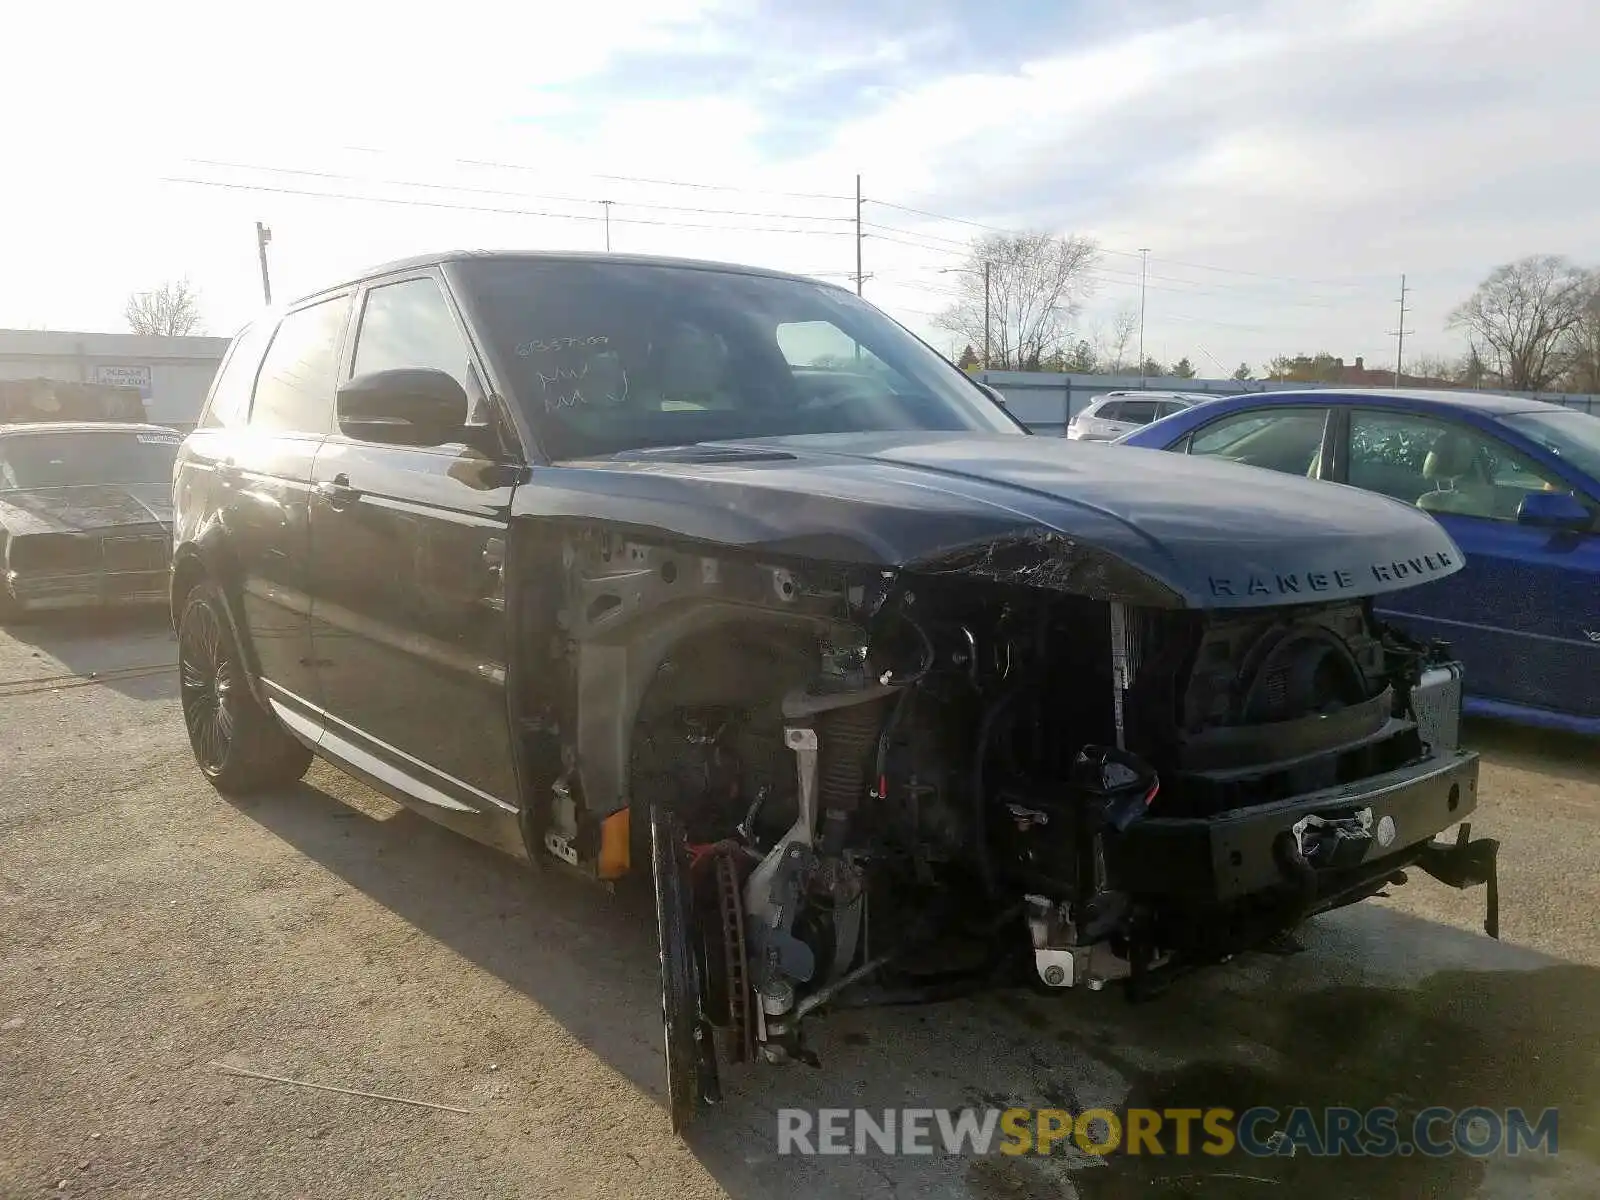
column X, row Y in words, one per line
column 1117, row 413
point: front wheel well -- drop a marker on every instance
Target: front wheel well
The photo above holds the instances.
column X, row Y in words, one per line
column 188, row 573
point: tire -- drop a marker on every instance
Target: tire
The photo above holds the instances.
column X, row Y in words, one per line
column 691, row 1065
column 239, row 745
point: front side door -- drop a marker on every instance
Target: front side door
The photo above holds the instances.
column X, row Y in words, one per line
column 408, row 614
column 1515, row 614
column 263, row 474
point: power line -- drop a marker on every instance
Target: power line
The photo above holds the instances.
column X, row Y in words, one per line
column 678, row 183
column 921, row 212
column 965, row 247
column 936, row 216
column 927, row 241
column 414, row 202
column 883, row 237
column 481, row 191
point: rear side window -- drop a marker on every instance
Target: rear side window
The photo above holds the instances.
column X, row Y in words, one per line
column 228, row 406
column 1280, row 439
column 294, row 393
column 1111, row 410
column 1138, row 412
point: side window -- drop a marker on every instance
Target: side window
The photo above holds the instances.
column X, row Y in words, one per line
column 410, row 325
column 1138, row 412
column 828, row 365
column 1170, row 407
column 1111, row 410
column 1441, row 466
column 228, row 406
column 1280, row 439
column 294, row 393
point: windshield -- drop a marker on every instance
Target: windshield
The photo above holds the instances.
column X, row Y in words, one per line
column 606, row 357
column 1572, row 435
column 121, row 457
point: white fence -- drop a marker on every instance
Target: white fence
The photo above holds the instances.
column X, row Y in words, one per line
column 1045, row 401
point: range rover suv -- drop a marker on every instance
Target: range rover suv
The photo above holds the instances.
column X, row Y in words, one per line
column 721, row 579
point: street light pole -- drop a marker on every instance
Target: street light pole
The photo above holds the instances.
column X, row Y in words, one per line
column 263, row 236
column 986, row 315
column 605, row 207
column 986, row 319
column 1144, row 264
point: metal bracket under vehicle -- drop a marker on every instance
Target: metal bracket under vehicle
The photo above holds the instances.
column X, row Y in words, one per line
column 1467, row 863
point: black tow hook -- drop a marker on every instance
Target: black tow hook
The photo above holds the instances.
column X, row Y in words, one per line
column 1296, row 869
column 1466, row 864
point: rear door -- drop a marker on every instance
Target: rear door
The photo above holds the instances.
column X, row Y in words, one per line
column 260, row 478
column 1512, row 613
column 408, row 619
column 1291, row 439
column 1124, row 416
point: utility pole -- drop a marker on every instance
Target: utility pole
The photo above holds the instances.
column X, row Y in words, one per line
column 263, row 236
column 1400, row 334
column 858, row 234
column 1144, row 264
column 986, row 314
column 605, row 207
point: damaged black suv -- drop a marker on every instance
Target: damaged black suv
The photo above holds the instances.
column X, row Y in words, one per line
column 721, row 577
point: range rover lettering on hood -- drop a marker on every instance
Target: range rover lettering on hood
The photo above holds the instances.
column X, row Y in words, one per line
column 1338, row 581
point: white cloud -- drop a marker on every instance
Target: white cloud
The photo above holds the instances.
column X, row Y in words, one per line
column 1317, row 149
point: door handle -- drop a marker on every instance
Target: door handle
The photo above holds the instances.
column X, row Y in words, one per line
column 337, row 491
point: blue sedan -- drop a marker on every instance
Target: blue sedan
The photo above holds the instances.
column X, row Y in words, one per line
column 1517, row 484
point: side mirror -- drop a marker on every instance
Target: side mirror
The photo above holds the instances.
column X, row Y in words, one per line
column 1554, row 510
column 405, row 406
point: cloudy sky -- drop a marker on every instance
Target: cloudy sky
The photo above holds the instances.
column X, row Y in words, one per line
column 1283, row 160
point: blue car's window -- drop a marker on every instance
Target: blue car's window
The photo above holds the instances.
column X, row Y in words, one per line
column 1573, row 435
column 1441, row 466
column 1279, row 439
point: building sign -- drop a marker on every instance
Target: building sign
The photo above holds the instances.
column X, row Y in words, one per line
column 124, row 376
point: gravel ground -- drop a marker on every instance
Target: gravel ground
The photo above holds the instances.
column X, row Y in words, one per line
column 150, row 930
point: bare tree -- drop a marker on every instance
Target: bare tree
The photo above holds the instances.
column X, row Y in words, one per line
column 1521, row 316
column 1583, row 344
column 1113, row 345
column 171, row 310
column 1433, row 366
column 1036, row 285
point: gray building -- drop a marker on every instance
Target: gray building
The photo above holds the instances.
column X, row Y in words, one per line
column 171, row 373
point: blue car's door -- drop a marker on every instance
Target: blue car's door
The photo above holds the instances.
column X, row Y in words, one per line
column 1524, row 614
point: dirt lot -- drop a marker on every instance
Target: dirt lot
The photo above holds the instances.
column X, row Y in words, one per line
column 149, row 930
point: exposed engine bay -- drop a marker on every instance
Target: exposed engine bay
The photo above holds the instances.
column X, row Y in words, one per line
column 936, row 783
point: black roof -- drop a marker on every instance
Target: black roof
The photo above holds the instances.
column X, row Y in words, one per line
column 418, row 261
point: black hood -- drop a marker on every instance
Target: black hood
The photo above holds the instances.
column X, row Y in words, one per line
column 1145, row 526
column 84, row 508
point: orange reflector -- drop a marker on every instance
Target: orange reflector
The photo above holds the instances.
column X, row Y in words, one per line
column 614, row 845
